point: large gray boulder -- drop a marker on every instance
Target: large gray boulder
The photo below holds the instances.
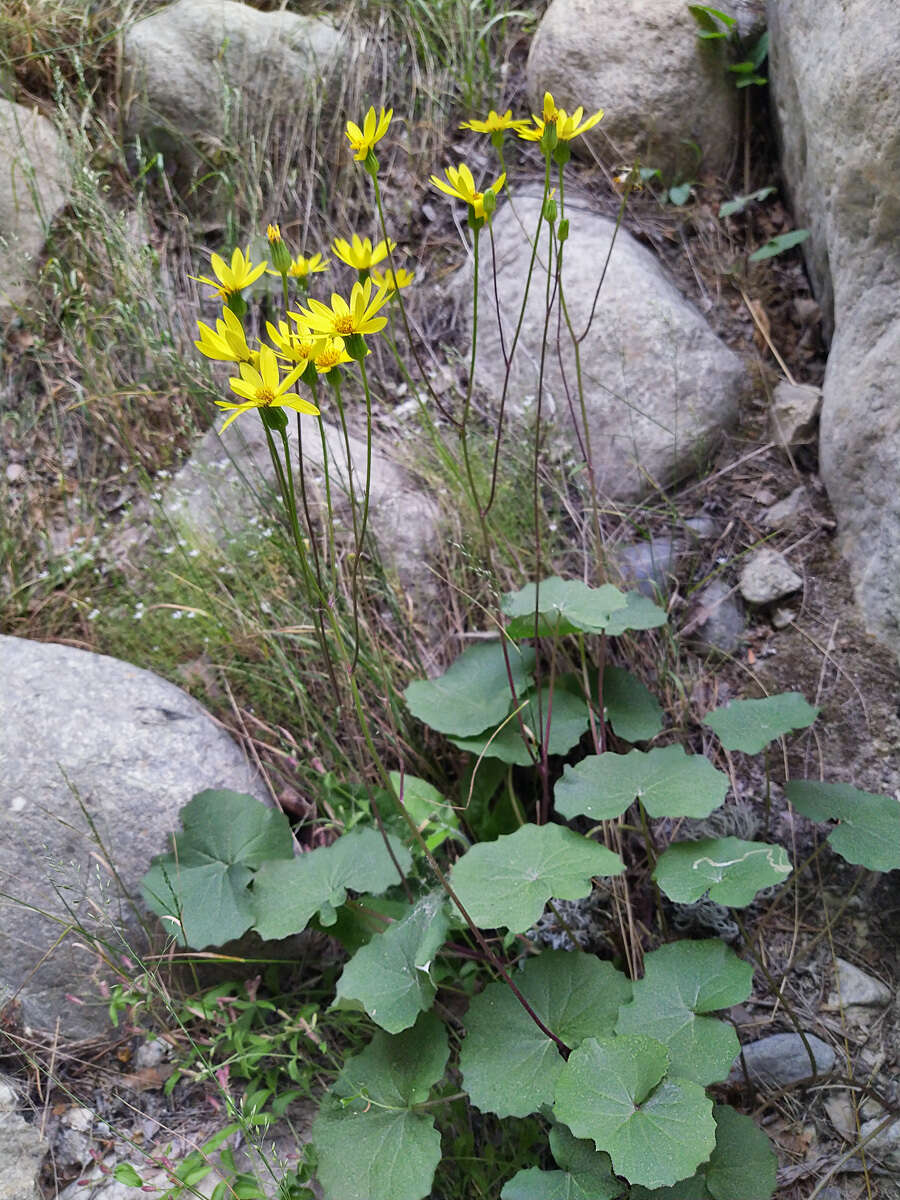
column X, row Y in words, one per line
column 657, row 82
column 659, row 384
column 200, row 70
column 34, row 186
column 97, row 758
column 837, row 107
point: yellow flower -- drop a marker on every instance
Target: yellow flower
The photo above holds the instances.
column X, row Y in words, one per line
column 343, row 319
column 494, row 123
column 461, row 185
column 273, row 233
column 373, row 130
column 263, row 389
column 393, row 280
column 567, row 127
column 361, row 254
column 231, row 280
column 293, row 346
column 301, row 267
column 227, row 342
column 331, row 353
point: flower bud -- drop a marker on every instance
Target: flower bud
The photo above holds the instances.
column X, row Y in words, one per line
column 550, row 210
column 563, row 232
column 279, row 255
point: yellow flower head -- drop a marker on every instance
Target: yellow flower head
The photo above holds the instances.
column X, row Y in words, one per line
column 494, row 123
column 461, row 185
column 231, row 280
column 360, row 254
column 393, row 280
column 373, row 130
column 296, row 346
column 343, row 319
column 227, row 342
column 273, row 233
column 331, row 353
column 567, row 127
column 301, row 267
column 262, row 388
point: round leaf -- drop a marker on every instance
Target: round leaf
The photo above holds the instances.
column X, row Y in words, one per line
column 743, row 1162
column 633, row 710
column 474, row 692
column 731, row 870
column 750, row 725
column 576, row 996
column 569, row 721
column 668, row 782
column 639, row 613
column 656, row 1130
column 869, row 830
column 507, row 882
column 563, row 606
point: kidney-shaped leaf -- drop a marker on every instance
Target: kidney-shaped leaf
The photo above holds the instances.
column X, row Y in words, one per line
column 668, row 782
column 473, row 693
column 869, row 831
column 585, row 1173
column 639, row 613
column 731, row 870
column 287, row 895
column 743, row 1162
column 634, row 712
column 201, row 890
column 686, row 1189
column 563, row 606
column 656, row 1129
column 369, row 1141
column 680, row 981
column 390, row 977
column 507, row 882
column 568, row 722
column 750, row 725
column 576, row 996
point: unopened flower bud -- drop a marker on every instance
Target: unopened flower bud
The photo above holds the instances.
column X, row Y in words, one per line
column 550, row 210
column 563, row 232
column 489, row 202
column 279, row 255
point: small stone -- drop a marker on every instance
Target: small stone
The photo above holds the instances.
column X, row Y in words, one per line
column 786, row 511
column 768, row 576
column 765, row 496
column 648, row 566
column 782, row 617
column 702, row 527
column 840, row 1114
column 780, row 1060
column 78, row 1118
column 14, row 472
column 806, row 310
column 151, row 1054
column 856, row 987
column 884, row 1146
column 719, row 621
column 794, row 415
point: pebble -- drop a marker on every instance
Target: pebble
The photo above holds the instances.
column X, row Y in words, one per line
column 794, row 414
column 781, row 1060
column 722, row 627
column 782, row 617
column 786, row 511
column 648, row 566
column 768, row 576
column 856, row 987
column 14, row 472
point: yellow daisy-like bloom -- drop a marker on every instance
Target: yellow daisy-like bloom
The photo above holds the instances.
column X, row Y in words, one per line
column 273, row 233
column 360, row 254
column 227, row 342
column 343, row 319
column 567, row 127
column 301, row 267
column 393, row 280
column 262, row 388
column 373, row 130
column 296, row 346
column 461, row 185
column 494, row 123
column 231, row 280
column 331, row 353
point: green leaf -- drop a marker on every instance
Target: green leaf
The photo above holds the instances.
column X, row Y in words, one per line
column 778, row 245
column 286, row 895
column 585, row 1174
column 750, row 725
column 680, row 193
column 743, row 1163
column 634, row 712
column 656, row 1130
column 202, row 888
column 125, row 1173
column 356, row 925
column 686, row 1189
column 731, row 870
column 680, row 981
column 508, row 882
column 707, row 20
column 576, row 995
column 639, row 613
column 569, row 722
column 668, row 782
column 565, row 606
column 474, row 692
column 733, row 207
column 369, row 1139
column 869, row 831
column 390, row 977
column 427, row 807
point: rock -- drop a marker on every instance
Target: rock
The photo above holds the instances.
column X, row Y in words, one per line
column 856, row 987
column 717, row 621
column 34, row 187
column 209, row 495
column 14, row 472
column 659, row 385
column 88, row 742
column 785, row 513
column 768, row 576
column 837, row 117
column 840, row 1113
column 648, row 566
column 702, row 527
column 794, row 415
column 201, row 71
column 782, row 617
column 884, row 1146
column 781, row 1060
column 660, row 85
column 21, row 1148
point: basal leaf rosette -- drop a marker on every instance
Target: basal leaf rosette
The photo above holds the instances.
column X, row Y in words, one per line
column 656, row 1128
column 731, row 870
column 683, row 981
column 509, row 1066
